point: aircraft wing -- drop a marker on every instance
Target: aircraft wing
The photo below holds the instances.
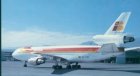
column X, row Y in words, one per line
column 133, row 49
column 109, row 48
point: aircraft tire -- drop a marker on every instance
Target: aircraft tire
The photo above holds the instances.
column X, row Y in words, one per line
column 57, row 67
column 25, row 65
column 78, row 66
column 68, row 67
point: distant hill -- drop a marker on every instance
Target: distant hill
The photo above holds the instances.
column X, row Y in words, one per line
column 11, row 49
column 8, row 49
column 88, row 43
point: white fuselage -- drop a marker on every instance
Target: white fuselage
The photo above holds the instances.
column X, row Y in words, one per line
column 71, row 53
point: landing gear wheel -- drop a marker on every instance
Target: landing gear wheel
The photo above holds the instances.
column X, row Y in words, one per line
column 68, row 67
column 25, row 65
column 74, row 67
column 60, row 67
column 54, row 66
column 57, row 67
column 78, row 66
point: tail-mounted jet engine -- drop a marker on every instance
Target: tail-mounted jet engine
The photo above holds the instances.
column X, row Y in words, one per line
column 117, row 39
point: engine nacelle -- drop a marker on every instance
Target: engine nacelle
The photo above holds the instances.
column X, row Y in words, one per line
column 36, row 60
column 117, row 39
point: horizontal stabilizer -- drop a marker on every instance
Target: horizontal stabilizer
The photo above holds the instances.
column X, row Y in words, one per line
column 133, row 49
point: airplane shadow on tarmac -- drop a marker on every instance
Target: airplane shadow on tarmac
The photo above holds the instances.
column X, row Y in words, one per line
column 111, row 69
column 64, row 70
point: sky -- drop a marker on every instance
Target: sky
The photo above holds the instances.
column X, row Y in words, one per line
column 62, row 22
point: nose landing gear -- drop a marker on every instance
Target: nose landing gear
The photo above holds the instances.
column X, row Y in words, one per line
column 25, row 64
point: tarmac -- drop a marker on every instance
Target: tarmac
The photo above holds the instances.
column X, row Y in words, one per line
column 15, row 68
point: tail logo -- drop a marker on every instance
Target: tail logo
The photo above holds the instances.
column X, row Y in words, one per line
column 118, row 26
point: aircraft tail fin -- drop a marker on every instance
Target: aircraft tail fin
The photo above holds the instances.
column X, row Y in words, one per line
column 119, row 25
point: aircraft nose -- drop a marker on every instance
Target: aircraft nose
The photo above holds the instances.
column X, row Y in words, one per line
column 15, row 53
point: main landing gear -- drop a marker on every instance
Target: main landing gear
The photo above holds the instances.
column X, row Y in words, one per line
column 57, row 67
column 76, row 66
column 25, row 64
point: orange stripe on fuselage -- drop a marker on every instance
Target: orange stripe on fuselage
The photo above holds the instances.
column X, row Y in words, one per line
column 64, row 50
column 71, row 50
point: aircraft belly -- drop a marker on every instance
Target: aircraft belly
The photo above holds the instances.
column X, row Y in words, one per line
column 85, row 57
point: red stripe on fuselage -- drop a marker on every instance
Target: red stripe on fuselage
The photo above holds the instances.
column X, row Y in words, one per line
column 71, row 50
column 64, row 50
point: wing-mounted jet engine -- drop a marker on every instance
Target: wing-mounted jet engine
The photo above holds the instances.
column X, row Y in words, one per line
column 36, row 60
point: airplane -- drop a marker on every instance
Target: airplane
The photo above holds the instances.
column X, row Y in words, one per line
column 70, row 55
